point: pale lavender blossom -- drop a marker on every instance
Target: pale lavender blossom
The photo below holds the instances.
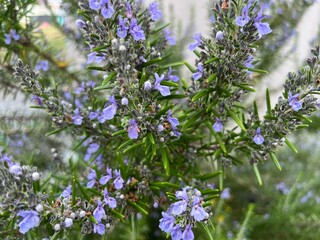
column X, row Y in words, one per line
column 218, row 126
column 122, row 30
column 30, row 220
column 133, row 129
column 197, row 210
column 93, row 178
column 106, row 178
column 219, row 35
column 244, row 18
column 263, row 28
column 77, row 118
column 42, row 65
column 174, row 122
column 172, row 77
column 107, row 9
column 136, row 31
column 176, row 232
column 99, row 212
column 196, row 37
column 258, row 138
column 164, row 90
column 118, row 182
column 180, row 206
column 154, row 11
column 67, row 192
column 294, row 101
column 199, row 72
column 95, row 4
column 167, row 222
column 99, row 228
column 110, row 111
column 169, row 38
column 187, row 233
column 110, row 201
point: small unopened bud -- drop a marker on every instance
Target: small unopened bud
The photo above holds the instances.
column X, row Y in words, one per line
column 56, row 227
column 122, row 48
column 108, row 225
column 80, row 23
column 68, row 222
column 124, row 101
column 147, row 86
column 72, row 215
column 219, row 36
column 114, row 41
column 82, row 214
column 39, row 207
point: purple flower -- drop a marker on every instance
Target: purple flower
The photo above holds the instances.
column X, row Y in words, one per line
column 30, row 220
column 133, row 129
column 99, row 228
column 218, row 126
column 219, row 35
column 167, row 222
column 199, row 73
column 263, row 28
column 37, row 100
column 93, row 178
column 94, row 115
column 106, row 178
column 122, row 30
column 12, row 35
column 42, row 65
column 118, row 182
column 193, row 46
column 248, row 63
column 169, row 38
column 180, row 206
column 7, row 39
column 110, row 111
column 282, row 188
column 176, row 232
column 15, row 169
column 112, row 203
column 294, row 102
column 187, row 233
column 77, row 119
column 93, row 147
column 135, row 31
column 244, row 18
column 8, row 159
column 93, row 58
column 198, row 211
column 225, row 194
column 67, row 192
column 173, row 121
column 164, row 90
column 94, row 4
column 99, row 212
column 129, row 11
column 155, row 13
column 107, row 10
column 258, row 138
column 172, row 77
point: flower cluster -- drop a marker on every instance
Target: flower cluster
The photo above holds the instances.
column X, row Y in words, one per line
column 12, row 35
column 182, row 215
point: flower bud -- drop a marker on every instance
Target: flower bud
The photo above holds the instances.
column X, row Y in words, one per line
column 124, row 101
column 82, row 214
column 39, row 207
column 80, row 23
column 147, row 86
column 56, row 227
column 68, row 222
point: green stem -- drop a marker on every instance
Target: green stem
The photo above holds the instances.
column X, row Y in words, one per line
column 244, row 226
